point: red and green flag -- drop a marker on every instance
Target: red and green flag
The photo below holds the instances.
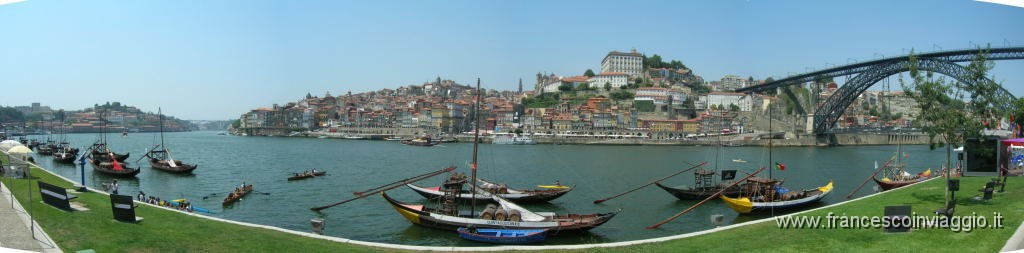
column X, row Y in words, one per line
column 780, row 166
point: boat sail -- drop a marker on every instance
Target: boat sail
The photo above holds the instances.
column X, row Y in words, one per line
column 767, row 194
column 160, row 157
column 508, row 215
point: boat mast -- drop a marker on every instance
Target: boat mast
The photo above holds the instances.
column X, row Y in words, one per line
column 476, row 143
column 160, row 111
column 771, row 136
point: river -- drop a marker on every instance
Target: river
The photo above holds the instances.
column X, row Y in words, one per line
column 354, row 165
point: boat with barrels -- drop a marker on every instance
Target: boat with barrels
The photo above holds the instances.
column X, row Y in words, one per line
column 160, row 157
column 515, row 195
column 705, row 186
column 112, row 167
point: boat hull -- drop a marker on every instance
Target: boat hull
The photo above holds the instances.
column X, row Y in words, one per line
column 231, row 200
column 106, row 168
column 180, row 168
column 504, row 236
column 701, row 193
column 563, row 224
column 895, row 184
column 516, row 196
column 744, row 205
column 66, row 158
column 301, row 177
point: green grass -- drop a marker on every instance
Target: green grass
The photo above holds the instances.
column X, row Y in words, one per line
column 924, row 199
column 168, row 231
column 161, row 231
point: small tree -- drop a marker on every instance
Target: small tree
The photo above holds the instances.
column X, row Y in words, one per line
column 607, row 86
column 734, row 107
column 565, row 87
column 589, row 73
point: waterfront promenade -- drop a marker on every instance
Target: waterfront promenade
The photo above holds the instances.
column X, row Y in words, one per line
column 16, row 233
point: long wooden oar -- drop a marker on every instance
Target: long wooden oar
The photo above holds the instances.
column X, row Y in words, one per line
column 886, row 165
column 429, row 174
column 705, row 200
column 387, row 187
column 648, row 184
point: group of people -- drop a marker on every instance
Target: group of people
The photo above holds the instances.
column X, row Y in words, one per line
column 239, row 191
column 307, row 173
column 182, row 206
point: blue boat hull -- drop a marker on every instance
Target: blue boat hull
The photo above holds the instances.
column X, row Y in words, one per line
column 504, row 236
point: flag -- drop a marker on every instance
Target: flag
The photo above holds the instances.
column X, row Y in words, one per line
column 905, row 155
column 780, row 166
column 474, row 166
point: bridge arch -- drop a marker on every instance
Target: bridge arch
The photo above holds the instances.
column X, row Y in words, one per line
column 829, row 112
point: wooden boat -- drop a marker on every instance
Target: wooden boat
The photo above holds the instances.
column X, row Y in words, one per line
column 504, row 236
column 237, row 195
column 553, row 186
column 452, row 219
column 393, row 138
column 307, row 175
column 514, row 195
column 160, row 157
column 64, row 157
column 704, row 187
column 887, row 183
column 765, row 194
column 108, row 167
column 505, row 215
column 99, row 149
column 421, row 141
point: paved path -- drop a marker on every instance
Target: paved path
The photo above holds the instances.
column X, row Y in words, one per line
column 15, row 223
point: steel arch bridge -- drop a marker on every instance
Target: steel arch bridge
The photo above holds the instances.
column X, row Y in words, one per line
column 866, row 74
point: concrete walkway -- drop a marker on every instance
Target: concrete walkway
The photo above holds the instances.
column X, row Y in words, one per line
column 15, row 223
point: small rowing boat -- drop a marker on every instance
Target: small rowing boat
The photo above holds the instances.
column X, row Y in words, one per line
column 237, row 194
column 306, row 175
column 504, row 236
column 554, row 186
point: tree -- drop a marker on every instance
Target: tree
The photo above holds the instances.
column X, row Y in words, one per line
column 734, row 107
column 583, row 87
column 945, row 115
column 589, row 73
column 607, row 86
column 565, row 87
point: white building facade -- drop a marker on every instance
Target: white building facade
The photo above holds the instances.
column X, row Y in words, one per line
column 616, row 79
column 631, row 63
column 725, row 99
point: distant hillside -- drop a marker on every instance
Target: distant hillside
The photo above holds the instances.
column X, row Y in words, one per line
column 114, row 115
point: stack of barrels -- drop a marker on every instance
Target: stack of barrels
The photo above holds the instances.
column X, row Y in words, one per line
column 494, row 212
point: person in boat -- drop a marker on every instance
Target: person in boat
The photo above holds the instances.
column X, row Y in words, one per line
column 558, row 183
column 314, row 171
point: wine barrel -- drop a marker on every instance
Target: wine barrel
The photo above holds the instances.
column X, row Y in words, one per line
column 501, row 215
column 514, row 215
column 488, row 212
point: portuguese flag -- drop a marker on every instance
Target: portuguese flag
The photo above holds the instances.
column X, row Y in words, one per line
column 780, row 166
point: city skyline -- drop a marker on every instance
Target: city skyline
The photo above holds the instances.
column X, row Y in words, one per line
column 218, row 60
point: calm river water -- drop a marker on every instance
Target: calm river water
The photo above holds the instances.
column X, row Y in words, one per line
column 355, row 165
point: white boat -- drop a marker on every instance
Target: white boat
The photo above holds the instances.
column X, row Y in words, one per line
column 513, row 139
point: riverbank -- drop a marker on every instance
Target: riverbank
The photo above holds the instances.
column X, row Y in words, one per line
column 166, row 230
column 788, row 140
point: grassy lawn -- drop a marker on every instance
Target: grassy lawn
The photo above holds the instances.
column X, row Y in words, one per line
column 161, row 231
column 924, row 198
column 168, row 231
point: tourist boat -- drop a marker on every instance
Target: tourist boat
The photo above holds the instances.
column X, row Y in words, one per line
column 505, row 215
column 504, row 236
column 235, row 196
column 420, row 141
column 704, row 187
column 514, row 195
column 64, row 156
column 298, row 176
column 354, row 137
column 113, row 168
column 160, row 157
column 766, row 194
column 512, row 139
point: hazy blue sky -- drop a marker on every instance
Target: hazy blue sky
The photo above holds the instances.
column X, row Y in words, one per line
column 218, row 59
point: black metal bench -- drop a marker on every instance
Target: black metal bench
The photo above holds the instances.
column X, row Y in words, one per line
column 56, row 196
column 123, row 207
column 990, row 187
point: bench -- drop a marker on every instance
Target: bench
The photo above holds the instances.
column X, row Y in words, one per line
column 987, row 191
column 56, row 196
column 123, row 207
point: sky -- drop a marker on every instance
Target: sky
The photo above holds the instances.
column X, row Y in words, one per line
column 215, row 60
